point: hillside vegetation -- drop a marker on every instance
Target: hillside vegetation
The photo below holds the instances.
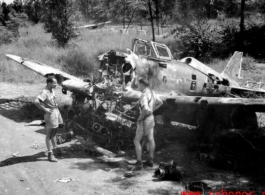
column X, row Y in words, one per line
column 79, row 58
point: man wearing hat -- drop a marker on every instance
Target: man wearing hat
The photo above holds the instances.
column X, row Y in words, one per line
column 145, row 124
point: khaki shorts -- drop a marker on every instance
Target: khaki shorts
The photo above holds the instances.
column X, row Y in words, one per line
column 144, row 127
column 54, row 119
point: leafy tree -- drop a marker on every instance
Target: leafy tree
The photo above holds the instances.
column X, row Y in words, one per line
column 58, row 18
column 196, row 39
column 33, row 9
column 232, row 8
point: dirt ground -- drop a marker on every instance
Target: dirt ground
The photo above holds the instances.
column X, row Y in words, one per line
column 25, row 169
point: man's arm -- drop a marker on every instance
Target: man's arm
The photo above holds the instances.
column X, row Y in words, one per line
column 39, row 104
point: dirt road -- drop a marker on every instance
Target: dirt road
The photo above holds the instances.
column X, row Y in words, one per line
column 24, row 168
column 29, row 172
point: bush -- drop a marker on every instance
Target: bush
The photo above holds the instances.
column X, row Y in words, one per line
column 205, row 41
column 253, row 44
column 196, row 39
column 6, row 36
column 254, row 41
column 248, row 63
column 10, row 32
column 76, row 62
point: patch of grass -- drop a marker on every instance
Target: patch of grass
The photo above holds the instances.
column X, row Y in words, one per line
column 218, row 64
column 248, row 63
column 79, row 58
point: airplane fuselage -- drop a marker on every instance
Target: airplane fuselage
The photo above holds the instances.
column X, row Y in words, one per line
column 177, row 77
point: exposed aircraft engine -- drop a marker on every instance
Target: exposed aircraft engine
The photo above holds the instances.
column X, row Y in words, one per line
column 105, row 118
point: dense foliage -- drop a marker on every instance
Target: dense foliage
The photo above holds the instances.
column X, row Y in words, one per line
column 190, row 21
column 59, row 20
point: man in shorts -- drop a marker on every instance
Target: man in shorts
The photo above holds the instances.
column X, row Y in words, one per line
column 46, row 101
column 145, row 124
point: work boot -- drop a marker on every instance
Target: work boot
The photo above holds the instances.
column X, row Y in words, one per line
column 149, row 162
column 137, row 167
column 59, row 152
column 51, row 157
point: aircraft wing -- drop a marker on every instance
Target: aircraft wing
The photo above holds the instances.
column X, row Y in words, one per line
column 41, row 68
column 69, row 82
column 192, row 109
column 257, row 105
column 243, row 89
column 93, row 26
column 87, row 26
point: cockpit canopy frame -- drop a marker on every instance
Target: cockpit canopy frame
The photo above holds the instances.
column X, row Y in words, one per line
column 151, row 49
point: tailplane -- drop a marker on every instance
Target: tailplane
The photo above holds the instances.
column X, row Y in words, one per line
column 233, row 68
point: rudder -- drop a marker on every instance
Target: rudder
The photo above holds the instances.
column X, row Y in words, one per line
column 233, row 68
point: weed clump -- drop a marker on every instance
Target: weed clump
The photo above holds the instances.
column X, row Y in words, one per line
column 76, row 62
column 5, row 35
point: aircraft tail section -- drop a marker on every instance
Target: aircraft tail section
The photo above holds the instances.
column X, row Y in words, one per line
column 233, row 68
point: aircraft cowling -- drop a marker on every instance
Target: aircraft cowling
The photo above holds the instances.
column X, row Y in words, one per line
column 83, row 88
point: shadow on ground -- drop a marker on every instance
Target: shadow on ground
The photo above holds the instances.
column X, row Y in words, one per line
column 73, row 151
column 19, row 112
column 24, row 111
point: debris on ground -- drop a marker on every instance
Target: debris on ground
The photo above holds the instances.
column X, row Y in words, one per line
column 35, row 123
column 64, row 137
column 168, row 171
column 15, row 154
column 204, row 185
column 35, row 146
column 131, row 173
column 130, row 162
column 120, row 154
column 198, row 186
column 108, row 159
column 90, row 144
column 64, row 180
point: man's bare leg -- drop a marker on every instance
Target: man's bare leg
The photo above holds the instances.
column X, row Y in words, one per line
column 138, row 147
column 151, row 147
column 49, row 133
column 53, row 138
column 57, row 151
column 48, row 138
column 151, row 143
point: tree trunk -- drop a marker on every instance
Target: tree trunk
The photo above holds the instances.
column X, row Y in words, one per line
column 151, row 18
column 124, row 15
column 242, row 27
column 157, row 15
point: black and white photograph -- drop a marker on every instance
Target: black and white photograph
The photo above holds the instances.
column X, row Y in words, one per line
column 132, row 97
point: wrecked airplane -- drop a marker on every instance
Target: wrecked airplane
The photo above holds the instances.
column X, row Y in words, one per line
column 192, row 93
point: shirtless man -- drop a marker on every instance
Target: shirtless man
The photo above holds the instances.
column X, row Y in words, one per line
column 46, row 101
column 145, row 126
